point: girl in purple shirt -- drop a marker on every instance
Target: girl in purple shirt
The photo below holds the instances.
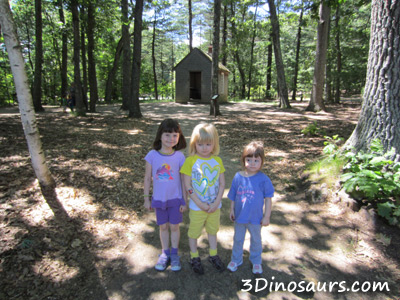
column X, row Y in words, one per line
column 163, row 165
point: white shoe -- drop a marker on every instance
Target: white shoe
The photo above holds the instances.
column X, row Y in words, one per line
column 257, row 269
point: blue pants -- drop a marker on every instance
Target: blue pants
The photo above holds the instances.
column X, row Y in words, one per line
column 255, row 243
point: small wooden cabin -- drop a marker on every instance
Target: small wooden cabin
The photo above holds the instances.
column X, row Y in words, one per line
column 193, row 78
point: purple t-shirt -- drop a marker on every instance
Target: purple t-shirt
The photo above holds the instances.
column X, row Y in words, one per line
column 248, row 194
column 167, row 187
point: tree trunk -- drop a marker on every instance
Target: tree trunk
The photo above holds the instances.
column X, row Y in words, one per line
column 80, row 109
column 134, row 106
column 316, row 101
column 236, row 53
column 190, row 25
column 91, row 24
column 338, row 57
column 126, row 56
column 225, row 35
column 153, row 55
column 252, row 52
column 214, row 106
column 280, row 68
column 269, row 69
column 380, row 112
column 25, row 102
column 296, row 64
column 84, row 61
column 64, row 52
column 37, row 84
column 113, row 70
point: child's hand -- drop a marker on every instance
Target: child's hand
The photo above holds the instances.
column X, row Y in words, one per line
column 147, row 204
column 265, row 221
column 205, row 206
column 182, row 208
column 213, row 207
column 232, row 216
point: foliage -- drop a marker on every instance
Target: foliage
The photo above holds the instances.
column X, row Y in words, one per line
column 312, row 129
column 373, row 175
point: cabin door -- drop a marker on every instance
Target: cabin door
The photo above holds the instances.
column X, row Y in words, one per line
column 195, row 85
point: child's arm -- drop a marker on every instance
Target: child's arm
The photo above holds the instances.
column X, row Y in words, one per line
column 267, row 212
column 182, row 208
column 214, row 206
column 189, row 189
column 146, row 188
column 232, row 213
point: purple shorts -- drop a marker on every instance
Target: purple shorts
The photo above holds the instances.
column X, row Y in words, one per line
column 170, row 215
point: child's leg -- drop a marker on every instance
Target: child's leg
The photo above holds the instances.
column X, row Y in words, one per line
column 175, row 235
column 197, row 219
column 238, row 240
column 212, row 227
column 164, row 237
column 255, row 243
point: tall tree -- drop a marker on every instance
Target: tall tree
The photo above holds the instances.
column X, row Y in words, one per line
column 380, row 112
column 37, row 84
column 153, row 53
column 112, row 71
column 269, row 68
column 76, row 86
column 126, row 56
column 338, row 55
column 25, row 102
column 91, row 24
column 214, row 107
column 134, row 106
column 252, row 44
column 280, row 68
column 83, row 22
column 298, row 44
column 316, row 101
column 190, row 20
column 64, row 51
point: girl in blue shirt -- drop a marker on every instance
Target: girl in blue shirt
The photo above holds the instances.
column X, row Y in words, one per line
column 251, row 193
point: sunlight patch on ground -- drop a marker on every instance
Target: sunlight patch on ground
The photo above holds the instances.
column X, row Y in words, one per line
column 106, row 146
column 162, row 295
column 54, row 269
column 132, row 131
column 277, row 153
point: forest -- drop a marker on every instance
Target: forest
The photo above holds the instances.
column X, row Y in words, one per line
column 246, row 47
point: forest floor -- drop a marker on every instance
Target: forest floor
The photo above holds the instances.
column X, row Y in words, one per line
column 92, row 238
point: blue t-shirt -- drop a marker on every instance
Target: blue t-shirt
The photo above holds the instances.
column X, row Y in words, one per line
column 248, row 193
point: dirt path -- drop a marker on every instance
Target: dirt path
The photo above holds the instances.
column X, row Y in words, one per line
column 101, row 192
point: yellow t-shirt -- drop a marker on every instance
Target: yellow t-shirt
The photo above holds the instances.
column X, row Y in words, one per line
column 205, row 174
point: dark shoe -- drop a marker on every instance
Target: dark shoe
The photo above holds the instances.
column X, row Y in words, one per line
column 217, row 263
column 196, row 265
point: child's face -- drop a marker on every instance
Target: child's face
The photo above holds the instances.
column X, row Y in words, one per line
column 252, row 164
column 204, row 149
column 169, row 139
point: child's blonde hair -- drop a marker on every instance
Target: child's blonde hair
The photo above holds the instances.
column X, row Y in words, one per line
column 204, row 133
column 255, row 149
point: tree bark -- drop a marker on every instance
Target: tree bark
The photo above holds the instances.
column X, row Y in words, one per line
column 134, row 106
column 316, row 101
column 214, row 105
column 338, row 56
column 296, row 64
column 269, row 68
column 80, row 109
column 126, row 56
column 253, row 38
column 64, row 51
column 280, row 68
column 84, row 61
column 190, row 25
column 380, row 112
column 91, row 24
column 225, row 35
column 37, row 83
column 153, row 55
column 25, row 102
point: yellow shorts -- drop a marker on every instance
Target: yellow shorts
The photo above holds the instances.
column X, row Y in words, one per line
column 200, row 219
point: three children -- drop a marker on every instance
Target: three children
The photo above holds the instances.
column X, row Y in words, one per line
column 199, row 182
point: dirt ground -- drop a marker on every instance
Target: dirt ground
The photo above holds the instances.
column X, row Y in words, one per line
column 92, row 239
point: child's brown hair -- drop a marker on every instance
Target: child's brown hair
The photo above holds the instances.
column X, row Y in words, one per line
column 169, row 125
column 255, row 149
